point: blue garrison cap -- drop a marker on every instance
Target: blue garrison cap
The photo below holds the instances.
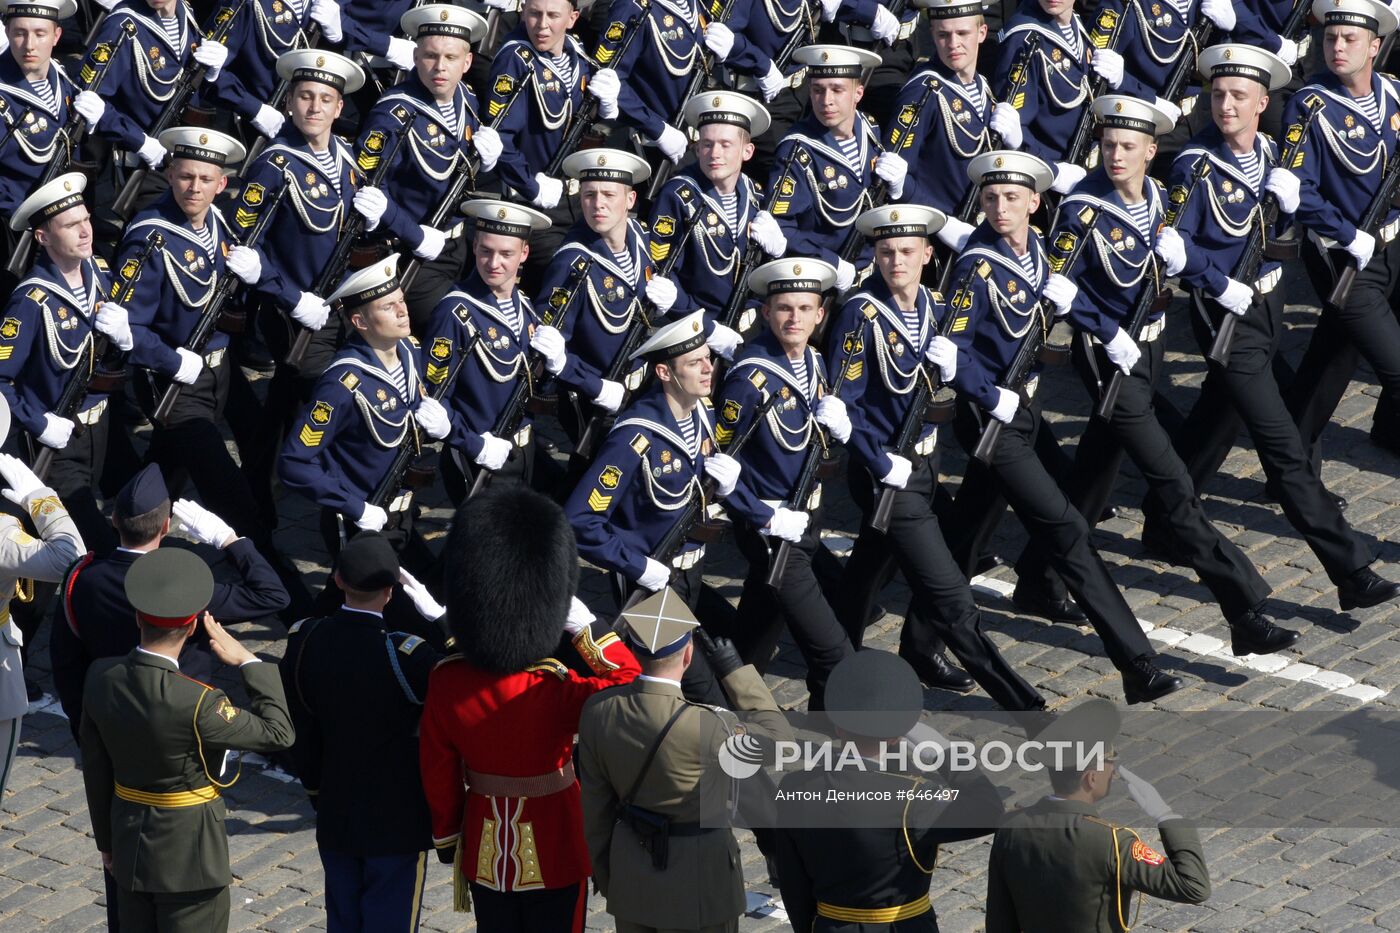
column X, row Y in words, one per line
column 143, row 492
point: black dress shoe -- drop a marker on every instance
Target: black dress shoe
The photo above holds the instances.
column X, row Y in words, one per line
column 1254, row 633
column 1340, row 499
column 1144, row 681
column 935, row 670
column 1047, row 607
column 877, row 612
column 1365, row 589
column 1385, row 438
column 1108, row 513
column 987, row 563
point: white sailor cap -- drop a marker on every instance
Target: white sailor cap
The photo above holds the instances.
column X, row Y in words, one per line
column 38, row 9
column 1121, row 112
column 1005, row 167
column 674, row 339
column 728, row 108
column 892, row 220
column 1368, row 14
column 836, row 61
column 1245, row 61
column 792, row 275
column 607, row 165
column 203, row 145
column 50, row 200
column 364, row 285
column 949, row 9
column 493, row 216
column 322, row 67
column 443, row 19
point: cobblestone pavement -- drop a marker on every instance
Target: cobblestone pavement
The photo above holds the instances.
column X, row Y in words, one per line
column 1318, row 879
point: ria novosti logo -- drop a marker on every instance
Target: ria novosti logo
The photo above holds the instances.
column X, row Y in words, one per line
column 742, row 756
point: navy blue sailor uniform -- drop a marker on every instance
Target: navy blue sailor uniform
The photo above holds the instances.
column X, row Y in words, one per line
column 1115, row 266
column 761, row 32
column 369, row 24
column 1258, row 23
column 1057, row 90
column 997, row 311
column 941, row 138
column 1151, row 38
column 656, row 70
column 263, row 30
column 881, row 349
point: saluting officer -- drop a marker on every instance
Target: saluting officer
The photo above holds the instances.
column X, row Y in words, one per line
column 438, row 111
column 823, row 172
column 1244, row 392
column 881, row 339
column 1009, row 279
column 154, row 744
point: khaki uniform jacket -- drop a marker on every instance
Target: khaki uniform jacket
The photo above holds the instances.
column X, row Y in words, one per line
column 23, row 557
column 154, row 731
column 1057, row 867
column 703, row 883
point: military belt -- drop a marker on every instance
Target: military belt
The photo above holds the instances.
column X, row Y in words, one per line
column 874, row 914
column 1152, row 330
column 456, row 231
column 536, row 785
column 92, row 415
column 214, row 357
column 687, row 559
column 1266, row 282
column 169, row 799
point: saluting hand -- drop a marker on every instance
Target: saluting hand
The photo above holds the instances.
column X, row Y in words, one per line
column 224, row 646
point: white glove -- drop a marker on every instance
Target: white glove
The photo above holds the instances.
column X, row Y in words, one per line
column 892, row 168
column 611, row 395
column 1006, row 123
column 1288, row 51
column 244, row 263
column 673, row 143
column 106, row 4
column 943, row 353
column 771, row 84
column 202, row 525
column 1236, row 298
column 580, row 617
column 311, row 311
column 724, row 470
column 327, row 14
column 1220, row 12
column 505, row 6
column 788, row 524
column 212, row 56
column 606, row 85
column 1067, row 176
column 89, row 106
column 370, row 203
column 432, row 418
column 1123, row 351
column 719, row 39
column 1007, row 403
column 268, row 121
column 550, row 193
column 661, row 292
column 152, row 152
column 898, row 474
column 1169, row 108
column 954, row 233
column 1171, row 249
column 830, row 413
column 845, row 275
column 400, row 53
column 829, row 8
column 57, row 431
column 433, row 242
column 373, row 518
column 549, row 343
column 1108, row 64
column 191, row 365
column 724, row 341
column 1060, row 292
column 655, row 577
column 1145, row 795
column 111, row 322
column 488, row 145
column 1283, row 184
column 1362, row 248
column 886, row 26
column 20, row 481
column 495, row 451
column 422, row 600
column 764, row 231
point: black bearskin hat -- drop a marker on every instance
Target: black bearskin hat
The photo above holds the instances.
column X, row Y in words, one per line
column 510, row 571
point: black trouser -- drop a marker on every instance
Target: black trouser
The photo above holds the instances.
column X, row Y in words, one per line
column 558, row 910
column 714, row 614
column 1245, row 392
column 1366, row 328
column 799, row 602
column 434, row 279
column 946, row 612
column 1055, row 524
column 1134, row 430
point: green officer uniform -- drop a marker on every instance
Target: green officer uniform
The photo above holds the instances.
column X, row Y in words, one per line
column 154, row 744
